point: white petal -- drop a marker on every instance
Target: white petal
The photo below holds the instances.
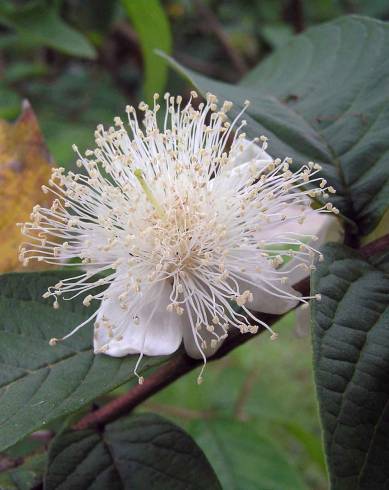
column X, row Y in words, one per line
column 329, row 229
column 250, row 151
column 269, row 300
column 313, row 223
column 242, row 167
column 295, row 271
column 155, row 332
column 192, row 347
column 275, row 298
column 326, row 228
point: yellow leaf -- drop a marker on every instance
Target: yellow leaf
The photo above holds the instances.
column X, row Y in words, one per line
column 25, row 165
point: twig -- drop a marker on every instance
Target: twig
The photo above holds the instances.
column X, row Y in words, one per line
column 213, row 24
column 294, row 14
column 182, row 364
column 128, row 32
column 120, row 46
column 166, row 374
column 245, row 391
column 42, row 435
column 7, row 463
column 378, row 246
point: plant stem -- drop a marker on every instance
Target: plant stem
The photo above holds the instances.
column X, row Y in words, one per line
column 212, row 23
column 376, row 247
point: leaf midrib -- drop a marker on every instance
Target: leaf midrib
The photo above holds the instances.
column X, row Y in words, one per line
column 44, row 366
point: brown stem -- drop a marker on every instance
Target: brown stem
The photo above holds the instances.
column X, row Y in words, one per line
column 244, row 394
column 166, row 374
column 7, row 463
column 181, row 364
column 294, row 14
column 377, row 246
column 212, row 22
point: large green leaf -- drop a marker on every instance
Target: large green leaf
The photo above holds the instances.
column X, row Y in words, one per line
column 39, row 24
column 153, row 29
column 242, row 459
column 39, row 383
column 142, row 451
column 324, row 97
column 351, row 354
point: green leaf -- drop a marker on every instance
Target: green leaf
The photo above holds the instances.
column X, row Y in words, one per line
column 242, row 459
column 9, row 102
column 141, row 451
column 324, row 97
column 310, row 442
column 39, row 383
column 22, row 70
column 152, row 26
column 351, row 357
column 39, row 24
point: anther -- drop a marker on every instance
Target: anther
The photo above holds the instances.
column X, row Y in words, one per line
column 87, row 300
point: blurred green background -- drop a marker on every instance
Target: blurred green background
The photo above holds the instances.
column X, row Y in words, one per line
column 79, row 62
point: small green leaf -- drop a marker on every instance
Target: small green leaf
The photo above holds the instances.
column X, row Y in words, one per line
column 152, row 26
column 242, row 459
column 39, row 24
column 22, row 70
column 9, row 102
column 323, row 96
column 351, row 358
column 141, row 451
column 39, row 383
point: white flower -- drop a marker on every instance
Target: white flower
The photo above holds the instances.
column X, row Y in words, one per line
column 185, row 230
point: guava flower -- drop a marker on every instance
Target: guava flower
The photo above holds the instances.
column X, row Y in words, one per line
column 183, row 232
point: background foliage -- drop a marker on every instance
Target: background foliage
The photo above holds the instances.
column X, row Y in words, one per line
column 79, row 62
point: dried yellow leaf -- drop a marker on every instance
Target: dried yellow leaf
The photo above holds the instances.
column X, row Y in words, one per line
column 25, row 165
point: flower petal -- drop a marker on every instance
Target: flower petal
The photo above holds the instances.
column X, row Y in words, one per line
column 326, row 228
column 147, row 329
column 269, row 294
column 248, row 151
column 276, row 300
column 192, row 347
column 243, row 166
